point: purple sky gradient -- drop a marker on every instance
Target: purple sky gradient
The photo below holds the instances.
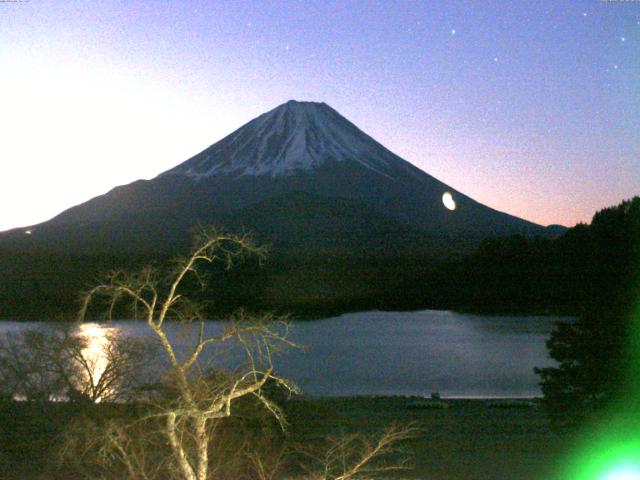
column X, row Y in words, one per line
column 530, row 107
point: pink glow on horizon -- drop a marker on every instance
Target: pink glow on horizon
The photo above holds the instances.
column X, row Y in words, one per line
column 529, row 108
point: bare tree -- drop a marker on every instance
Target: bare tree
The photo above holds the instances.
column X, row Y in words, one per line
column 200, row 399
column 346, row 457
column 183, row 432
column 121, row 447
column 116, row 368
column 360, row 457
column 60, row 363
column 26, row 372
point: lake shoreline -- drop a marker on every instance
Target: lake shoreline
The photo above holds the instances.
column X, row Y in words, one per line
column 320, row 314
column 308, row 313
column 387, row 353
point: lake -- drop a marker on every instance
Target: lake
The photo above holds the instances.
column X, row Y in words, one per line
column 400, row 353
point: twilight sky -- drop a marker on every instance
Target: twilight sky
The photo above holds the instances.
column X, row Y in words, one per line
column 530, row 107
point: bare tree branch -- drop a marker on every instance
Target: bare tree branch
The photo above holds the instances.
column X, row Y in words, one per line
column 199, row 402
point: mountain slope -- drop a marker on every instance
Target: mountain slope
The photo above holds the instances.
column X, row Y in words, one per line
column 298, row 147
column 351, row 225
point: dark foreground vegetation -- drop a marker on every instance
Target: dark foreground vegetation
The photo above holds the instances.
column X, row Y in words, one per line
column 174, row 415
column 456, row 440
column 199, row 422
column 517, row 274
column 598, row 355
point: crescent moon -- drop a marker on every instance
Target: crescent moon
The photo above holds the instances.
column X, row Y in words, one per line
column 448, row 201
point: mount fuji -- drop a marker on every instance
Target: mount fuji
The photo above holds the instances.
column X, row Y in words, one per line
column 300, row 176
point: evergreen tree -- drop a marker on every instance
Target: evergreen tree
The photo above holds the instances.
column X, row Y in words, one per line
column 596, row 353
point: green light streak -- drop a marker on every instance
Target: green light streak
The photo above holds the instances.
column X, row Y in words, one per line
column 610, row 446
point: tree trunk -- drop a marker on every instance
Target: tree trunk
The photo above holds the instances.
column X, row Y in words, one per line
column 203, row 445
column 178, row 451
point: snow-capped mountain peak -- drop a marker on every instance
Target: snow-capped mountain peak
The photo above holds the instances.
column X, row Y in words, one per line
column 299, row 173
column 294, row 137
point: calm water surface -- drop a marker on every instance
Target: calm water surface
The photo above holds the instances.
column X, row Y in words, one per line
column 400, row 353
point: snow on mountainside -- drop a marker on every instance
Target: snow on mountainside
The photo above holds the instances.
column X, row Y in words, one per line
column 259, row 178
column 294, row 137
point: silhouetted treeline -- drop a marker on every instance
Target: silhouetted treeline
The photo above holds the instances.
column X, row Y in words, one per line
column 597, row 355
column 566, row 274
column 504, row 275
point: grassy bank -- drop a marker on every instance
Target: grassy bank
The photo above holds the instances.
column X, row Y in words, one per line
column 458, row 440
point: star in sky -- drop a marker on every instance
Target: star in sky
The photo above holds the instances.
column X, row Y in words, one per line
column 423, row 80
